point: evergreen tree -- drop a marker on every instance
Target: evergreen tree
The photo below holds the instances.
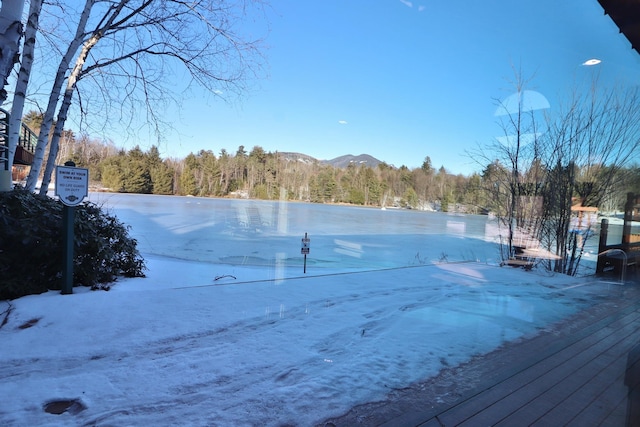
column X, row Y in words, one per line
column 161, row 179
column 410, row 198
column 188, row 185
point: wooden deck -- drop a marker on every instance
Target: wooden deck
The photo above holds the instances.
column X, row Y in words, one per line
column 575, row 378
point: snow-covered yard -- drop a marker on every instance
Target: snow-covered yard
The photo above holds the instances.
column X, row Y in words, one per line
column 212, row 343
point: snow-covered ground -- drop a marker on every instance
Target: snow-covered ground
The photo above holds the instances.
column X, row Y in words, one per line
column 226, row 329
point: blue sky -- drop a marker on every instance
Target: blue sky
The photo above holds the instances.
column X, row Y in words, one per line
column 402, row 80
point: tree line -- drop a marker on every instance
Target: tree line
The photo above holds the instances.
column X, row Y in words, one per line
column 259, row 174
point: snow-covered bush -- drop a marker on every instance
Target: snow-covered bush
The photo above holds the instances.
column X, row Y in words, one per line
column 31, row 255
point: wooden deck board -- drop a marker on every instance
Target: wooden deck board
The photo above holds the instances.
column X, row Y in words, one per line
column 535, row 398
column 595, row 403
column 577, row 381
column 511, row 394
column 571, row 378
column 574, row 395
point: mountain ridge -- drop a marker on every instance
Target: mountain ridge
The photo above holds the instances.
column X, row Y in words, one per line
column 337, row 162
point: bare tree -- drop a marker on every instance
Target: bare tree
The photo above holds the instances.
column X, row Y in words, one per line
column 132, row 53
column 76, row 73
column 512, row 175
column 547, row 170
column 10, row 34
column 26, row 63
column 65, row 61
column 589, row 142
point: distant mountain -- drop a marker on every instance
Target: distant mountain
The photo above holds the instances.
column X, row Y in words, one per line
column 338, row 162
column 344, row 161
column 297, row 157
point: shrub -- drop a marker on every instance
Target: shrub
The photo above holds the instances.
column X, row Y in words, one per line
column 31, row 245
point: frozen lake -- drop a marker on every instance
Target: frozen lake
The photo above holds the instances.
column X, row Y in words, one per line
column 261, row 233
column 269, row 233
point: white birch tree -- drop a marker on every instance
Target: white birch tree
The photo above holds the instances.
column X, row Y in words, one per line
column 131, row 56
column 22, row 82
column 10, row 34
column 72, row 80
column 65, row 61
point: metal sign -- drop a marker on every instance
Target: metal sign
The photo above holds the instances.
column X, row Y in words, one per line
column 306, row 242
column 72, row 184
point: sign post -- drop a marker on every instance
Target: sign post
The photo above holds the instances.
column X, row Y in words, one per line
column 306, row 242
column 72, row 186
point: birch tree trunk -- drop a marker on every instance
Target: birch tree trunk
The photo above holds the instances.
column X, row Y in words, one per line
column 20, row 92
column 64, row 108
column 55, row 140
column 10, row 33
column 43, row 136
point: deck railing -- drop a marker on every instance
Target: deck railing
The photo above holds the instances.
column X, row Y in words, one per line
column 621, row 255
column 27, row 141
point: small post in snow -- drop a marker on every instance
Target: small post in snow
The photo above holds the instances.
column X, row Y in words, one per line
column 305, row 250
column 71, row 187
